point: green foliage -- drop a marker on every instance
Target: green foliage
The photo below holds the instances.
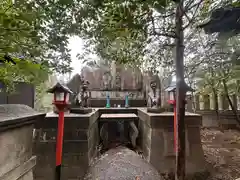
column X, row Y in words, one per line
column 221, row 65
column 23, row 71
column 121, row 31
column 35, row 30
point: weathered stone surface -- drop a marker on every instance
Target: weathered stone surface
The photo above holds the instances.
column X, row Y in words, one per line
column 82, row 138
column 117, row 94
column 158, row 146
column 16, row 114
column 79, row 146
column 16, row 133
column 121, row 164
column 114, row 77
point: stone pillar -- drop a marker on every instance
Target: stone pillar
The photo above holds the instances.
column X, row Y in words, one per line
column 197, row 103
column 225, row 103
column 234, row 101
column 220, row 102
column 81, row 138
column 16, row 134
column 157, row 142
column 189, row 105
column 201, row 102
column 113, row 70
column 212, row 102
column 206, row 100
column 238, row 103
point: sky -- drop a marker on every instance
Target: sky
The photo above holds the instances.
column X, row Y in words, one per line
column 76, row 46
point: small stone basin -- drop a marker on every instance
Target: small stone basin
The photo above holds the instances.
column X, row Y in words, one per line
column 121, row 163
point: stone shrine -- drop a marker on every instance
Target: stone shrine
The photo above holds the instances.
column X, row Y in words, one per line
column 117, row 81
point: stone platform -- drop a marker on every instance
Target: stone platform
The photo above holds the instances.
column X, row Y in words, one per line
column 16, row 132
column 82, row 138
column 157, row 141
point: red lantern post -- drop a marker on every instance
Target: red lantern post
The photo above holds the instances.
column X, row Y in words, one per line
column 61, row 101
column 172, row 101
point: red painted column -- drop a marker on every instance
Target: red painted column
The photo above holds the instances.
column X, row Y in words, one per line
column 59, row 145
column 175, row 130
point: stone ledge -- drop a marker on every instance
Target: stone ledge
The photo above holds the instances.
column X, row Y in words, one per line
column 17, row 115
column 85, row 120
column 21, row 170
column 165, row 119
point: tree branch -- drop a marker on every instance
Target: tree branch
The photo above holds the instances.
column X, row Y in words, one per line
column 193, row 16
column 197, row 4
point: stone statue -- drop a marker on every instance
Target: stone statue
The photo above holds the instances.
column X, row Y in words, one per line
column 83, row 96
column 106, row 81
column 118, row 81
column 154, row 100
column 153, row 96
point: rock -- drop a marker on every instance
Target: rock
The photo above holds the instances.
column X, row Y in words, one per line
column 121, row 163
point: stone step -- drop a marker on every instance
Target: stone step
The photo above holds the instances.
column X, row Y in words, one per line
column 119, row 116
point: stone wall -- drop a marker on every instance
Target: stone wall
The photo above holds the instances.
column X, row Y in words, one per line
column 16, row 133
column 81, row 139
column 113, row 76
column 157, row 142
column 207, row 102
column 79, row 147
column 226, row 118
column 205, row 105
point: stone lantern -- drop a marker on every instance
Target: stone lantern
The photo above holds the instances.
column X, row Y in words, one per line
column 61, row 96
column 61, row 101
column 172, row 95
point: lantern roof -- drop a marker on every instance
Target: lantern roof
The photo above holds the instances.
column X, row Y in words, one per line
column 59, row 88
column 173, row 86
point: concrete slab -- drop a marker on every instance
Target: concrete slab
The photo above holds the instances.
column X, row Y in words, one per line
column 119, row 116
column 127, row 115
column 166, row 113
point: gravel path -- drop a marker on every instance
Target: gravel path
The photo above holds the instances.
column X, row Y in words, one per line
column 121, row 164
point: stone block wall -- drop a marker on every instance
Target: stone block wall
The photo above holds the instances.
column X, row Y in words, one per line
column 157, row 141
column 226, row 118
column 79, row 147
column 16, row 133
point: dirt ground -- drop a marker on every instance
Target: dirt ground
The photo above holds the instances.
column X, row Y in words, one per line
column 222, row 152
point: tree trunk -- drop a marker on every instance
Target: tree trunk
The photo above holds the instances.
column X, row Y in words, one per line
column 230, row 102
column 181, row 94
column 193, row 102
column 216, row 108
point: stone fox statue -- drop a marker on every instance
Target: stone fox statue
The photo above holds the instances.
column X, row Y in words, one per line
column 82, row 99
column 153, row 97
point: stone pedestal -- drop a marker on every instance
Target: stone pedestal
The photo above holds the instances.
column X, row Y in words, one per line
column 79, row 147
column 156, row 136
column 16, row 133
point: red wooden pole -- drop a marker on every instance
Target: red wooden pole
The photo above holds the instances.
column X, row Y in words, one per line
column 59, row 145
column 175, row 130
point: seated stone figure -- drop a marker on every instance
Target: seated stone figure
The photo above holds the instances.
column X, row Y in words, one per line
column 82, row 99
column 153, row 97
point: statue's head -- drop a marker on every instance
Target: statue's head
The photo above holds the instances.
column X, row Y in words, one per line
column 85, row 85
column 153, row 84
